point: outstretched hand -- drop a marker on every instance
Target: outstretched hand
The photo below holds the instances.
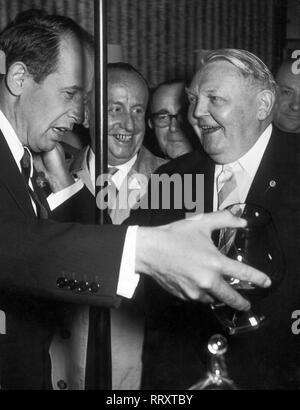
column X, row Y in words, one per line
column 182, row 258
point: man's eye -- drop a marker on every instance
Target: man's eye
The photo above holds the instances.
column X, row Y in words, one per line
column 286, row 92
column 70, row 95
column 192, row 99
column 114, row 109
column 162, row 116
column 139, row 111
column 215, row 99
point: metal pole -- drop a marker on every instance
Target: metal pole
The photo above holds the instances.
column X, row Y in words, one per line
column 98, row 372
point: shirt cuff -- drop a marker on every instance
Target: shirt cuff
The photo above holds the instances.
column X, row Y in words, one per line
column 128, row 279
column 57, row 198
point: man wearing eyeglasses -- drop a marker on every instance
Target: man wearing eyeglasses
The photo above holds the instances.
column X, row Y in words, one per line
column 168, row 119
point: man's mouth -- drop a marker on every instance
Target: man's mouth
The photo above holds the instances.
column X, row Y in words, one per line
column 122, row 137
column 293, row 117
column 209, row 129
column 61, row 130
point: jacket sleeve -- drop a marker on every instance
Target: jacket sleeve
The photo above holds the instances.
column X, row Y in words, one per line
column 65, row 261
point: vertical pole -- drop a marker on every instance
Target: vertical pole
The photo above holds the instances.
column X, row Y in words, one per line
column 98, row 371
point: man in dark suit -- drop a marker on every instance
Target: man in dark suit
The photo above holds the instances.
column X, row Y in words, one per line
column 231, row 102
column 41, row 96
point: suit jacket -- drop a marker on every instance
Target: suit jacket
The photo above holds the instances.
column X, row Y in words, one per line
column 175, row 353
column 39, row 262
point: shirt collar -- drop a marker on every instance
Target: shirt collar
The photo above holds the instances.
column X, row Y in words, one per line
column 250, row 161
column 13, row 141
column 11, row 138
column 119, row 176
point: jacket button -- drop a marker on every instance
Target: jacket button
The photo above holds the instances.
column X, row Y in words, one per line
column 62, row 282
column 62, row 385
column 94, row 287
column 73, row 284
column 82, row 286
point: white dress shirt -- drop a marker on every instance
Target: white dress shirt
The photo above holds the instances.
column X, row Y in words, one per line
column 247, row 166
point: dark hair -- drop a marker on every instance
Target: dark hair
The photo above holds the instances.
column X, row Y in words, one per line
column 34, row 36
column 126, row 68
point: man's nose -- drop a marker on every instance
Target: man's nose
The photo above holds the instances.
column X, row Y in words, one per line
column 77, row 111
column 174, row 124
column 295, row 102
column 201, row 107
column 127, row 122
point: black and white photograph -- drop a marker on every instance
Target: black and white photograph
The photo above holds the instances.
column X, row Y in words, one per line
column 150, row 197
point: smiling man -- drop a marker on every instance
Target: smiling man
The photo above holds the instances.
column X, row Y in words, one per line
column 127, row 94
column 247, row 160
column 43, row 262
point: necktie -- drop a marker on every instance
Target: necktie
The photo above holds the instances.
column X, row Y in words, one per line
column 111, row 189
column 227, row 187
column 36, row 193
column 227, row 195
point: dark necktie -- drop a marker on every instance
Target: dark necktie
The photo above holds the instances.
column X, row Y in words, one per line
column 36, row 193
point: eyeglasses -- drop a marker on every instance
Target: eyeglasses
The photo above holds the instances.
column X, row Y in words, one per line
column 163, row 119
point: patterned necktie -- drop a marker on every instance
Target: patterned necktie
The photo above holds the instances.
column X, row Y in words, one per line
column 227, row 187
column 36, row 193
column 228, row 194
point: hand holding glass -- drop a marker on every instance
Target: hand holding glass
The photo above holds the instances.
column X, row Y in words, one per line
column 256, row 245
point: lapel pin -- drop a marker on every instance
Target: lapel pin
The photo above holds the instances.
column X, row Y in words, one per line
column 272, row 184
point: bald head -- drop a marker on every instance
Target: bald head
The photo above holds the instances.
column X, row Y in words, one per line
column 287, row 109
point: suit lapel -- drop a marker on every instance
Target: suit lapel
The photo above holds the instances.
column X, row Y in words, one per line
column 269, row 180
column 11, row 177
column 209, row 173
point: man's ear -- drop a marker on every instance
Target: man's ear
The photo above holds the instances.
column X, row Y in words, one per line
column 15, row 78
column 150, row 123
column 266, row 100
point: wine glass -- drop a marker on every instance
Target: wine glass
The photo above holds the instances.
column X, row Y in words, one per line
column 256, row 245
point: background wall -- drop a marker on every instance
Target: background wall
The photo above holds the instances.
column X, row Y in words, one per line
column 162, row 38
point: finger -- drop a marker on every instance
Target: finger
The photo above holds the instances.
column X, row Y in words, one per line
column 225, row 293
column 231, row 268
column 59, row 147
column 223, row 219
column 205, row 298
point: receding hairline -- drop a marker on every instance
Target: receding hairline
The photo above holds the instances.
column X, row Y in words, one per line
column 114, row 75
column 250, row 66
